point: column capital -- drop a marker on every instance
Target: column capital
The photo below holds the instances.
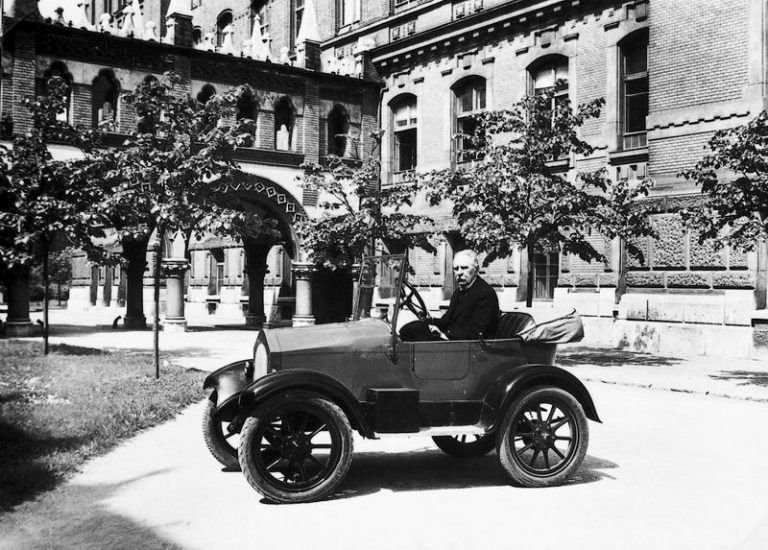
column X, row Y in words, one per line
column 302, row 270
column 174, row 267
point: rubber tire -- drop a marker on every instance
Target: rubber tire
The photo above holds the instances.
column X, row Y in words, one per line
column 516, row 474
column 322, row 490
column 221, row 450
column 480, row 447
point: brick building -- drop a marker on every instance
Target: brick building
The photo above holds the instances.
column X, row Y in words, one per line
column 672, row 72
column 293, row 103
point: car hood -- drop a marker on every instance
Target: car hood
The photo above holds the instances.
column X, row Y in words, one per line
column 364, row 336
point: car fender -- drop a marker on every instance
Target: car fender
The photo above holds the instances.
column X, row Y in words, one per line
column 227, row 383
column 303, row 380
column 508, row 387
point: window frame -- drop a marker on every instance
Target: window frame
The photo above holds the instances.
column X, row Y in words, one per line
column 632, row 139
column 461, row 116
column 410, row 104
column 220, row 27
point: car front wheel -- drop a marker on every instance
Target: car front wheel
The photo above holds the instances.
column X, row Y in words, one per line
column 543, row 438
column 221, row 443
column 465, row 446
column 296, row 448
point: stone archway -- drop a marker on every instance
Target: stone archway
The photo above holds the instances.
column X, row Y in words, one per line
column 271, row 201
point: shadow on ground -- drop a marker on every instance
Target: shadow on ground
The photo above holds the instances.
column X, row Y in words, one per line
column 78, row 518
column 743, row 378
column 371, row 472
column 600, row 357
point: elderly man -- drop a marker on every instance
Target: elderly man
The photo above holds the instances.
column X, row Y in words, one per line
column 473, row 311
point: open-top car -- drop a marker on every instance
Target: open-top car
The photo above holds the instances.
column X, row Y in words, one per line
column 294, row 405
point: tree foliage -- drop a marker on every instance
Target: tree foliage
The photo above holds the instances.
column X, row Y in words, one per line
column 39, row 198
column 734, row 181
column 356, row 212
column 517, row 192
column 166, row 174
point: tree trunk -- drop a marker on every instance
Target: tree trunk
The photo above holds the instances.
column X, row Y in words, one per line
column 46, row 285
column 529, row 290
column 156, row 327
column 18, row 322
column 135, row 253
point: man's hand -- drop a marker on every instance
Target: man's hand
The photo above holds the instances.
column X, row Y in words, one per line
column 439, row 332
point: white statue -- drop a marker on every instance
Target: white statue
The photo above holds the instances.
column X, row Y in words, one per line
column 285, row 59
column 170, row 31
column 227, row 46
column 80, row 21
column 208, row 43
column 149, row 31
column 105, row 23
column 266, row 46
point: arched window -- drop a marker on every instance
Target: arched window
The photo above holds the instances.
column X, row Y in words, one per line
column 147, row 120
column 59, row 69
column 284, row 120
column 247, row 109
column 338, row 130
column 197, row 35
column 404, row 133
column 550, row 73
column 105, row 91
column 634, row 89
column 469, row 101
column 222, row 22
column 206, row 93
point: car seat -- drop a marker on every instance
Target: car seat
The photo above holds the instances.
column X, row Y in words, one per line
column 513, row 323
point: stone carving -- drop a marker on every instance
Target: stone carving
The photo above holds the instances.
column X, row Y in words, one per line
column 149, row 31
column 669, row 248
column 227, row 45
column 80, row 21
column 208, row 44
column 284, row 57
column 105, row 24
column 733, row 280
column 704, row 255
column 170, row 31
column 645, row 279
column 688, row 280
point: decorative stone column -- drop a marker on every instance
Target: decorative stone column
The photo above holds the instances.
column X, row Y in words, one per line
column 255, row 317
column 18, row 322
column 175, row 269
column 302, row 275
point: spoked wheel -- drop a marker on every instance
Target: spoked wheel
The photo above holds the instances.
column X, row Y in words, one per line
column 222, row 444
column 465, row 446
column 296, row 448
column 543, row 438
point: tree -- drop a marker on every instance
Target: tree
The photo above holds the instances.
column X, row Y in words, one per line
column 163, row 177
column 356, row 213
column 512, row 195
column 734, row 181
column 39, row 198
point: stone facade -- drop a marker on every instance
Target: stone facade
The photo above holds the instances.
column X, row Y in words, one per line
column 671, row 72
column 222, row 274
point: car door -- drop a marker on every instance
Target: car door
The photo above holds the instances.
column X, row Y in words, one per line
column 443, row 360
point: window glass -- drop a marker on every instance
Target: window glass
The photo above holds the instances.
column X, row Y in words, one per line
column 405, row 135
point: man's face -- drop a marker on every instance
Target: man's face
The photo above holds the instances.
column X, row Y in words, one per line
column 464, row 270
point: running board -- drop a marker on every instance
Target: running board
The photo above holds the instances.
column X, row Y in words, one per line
column 437, row 430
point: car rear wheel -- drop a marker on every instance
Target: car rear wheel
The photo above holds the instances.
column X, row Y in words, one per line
column 296, row 448
column 465, row 446
column 221, row 443
column 543, row 438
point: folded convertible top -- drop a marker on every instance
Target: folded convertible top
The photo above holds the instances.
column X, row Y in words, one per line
column 552, row 326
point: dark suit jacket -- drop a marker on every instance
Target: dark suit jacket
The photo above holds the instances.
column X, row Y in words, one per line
column 471, row 312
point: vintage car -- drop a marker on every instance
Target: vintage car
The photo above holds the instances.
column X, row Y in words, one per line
column 294, row 405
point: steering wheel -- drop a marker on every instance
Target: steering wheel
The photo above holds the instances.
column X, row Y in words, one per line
column 411, row 299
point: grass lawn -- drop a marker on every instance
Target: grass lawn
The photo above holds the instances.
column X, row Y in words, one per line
column 58, row 411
